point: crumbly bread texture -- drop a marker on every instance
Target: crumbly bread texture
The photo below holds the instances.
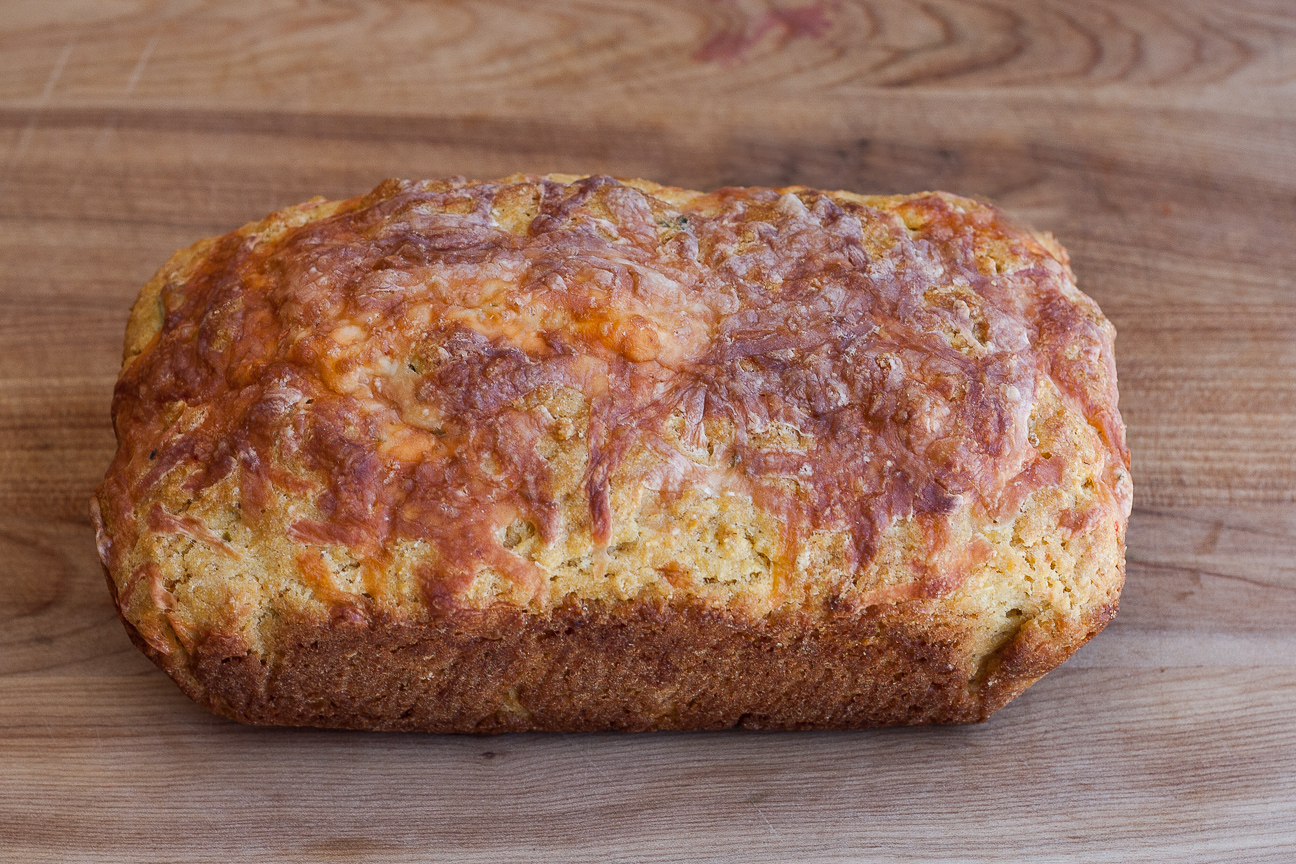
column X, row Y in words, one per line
column 558, row 452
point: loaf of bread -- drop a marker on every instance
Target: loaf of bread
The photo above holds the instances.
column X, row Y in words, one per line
column 576, row 453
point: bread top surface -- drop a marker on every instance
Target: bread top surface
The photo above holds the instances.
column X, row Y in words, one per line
column 446, row 395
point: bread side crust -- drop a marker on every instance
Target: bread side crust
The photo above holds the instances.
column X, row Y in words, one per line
column 629, row 667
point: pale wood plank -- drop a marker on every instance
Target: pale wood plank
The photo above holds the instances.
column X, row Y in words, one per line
column 56, row 618
column 490, row 56
column 1091, row 765
column 1222, row 569
column 56, row 436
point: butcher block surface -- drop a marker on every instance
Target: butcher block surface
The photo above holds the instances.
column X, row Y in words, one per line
column 1156, row 140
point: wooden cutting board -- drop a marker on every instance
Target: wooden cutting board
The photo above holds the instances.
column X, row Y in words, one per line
column 1156, row 139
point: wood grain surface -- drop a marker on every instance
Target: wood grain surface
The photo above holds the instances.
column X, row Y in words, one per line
column 1157, row 139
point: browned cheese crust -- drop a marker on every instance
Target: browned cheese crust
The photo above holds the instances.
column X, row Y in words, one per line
column 577, row 453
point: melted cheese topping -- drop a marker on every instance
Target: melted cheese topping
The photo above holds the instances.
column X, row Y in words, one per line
column 451, row 393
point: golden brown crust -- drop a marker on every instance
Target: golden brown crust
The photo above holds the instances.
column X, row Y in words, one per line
column 600, row 426
column 632, row 667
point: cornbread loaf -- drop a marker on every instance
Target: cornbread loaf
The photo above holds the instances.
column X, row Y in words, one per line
column 574, row 453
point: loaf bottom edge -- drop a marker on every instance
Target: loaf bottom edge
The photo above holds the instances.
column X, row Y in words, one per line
column 632, row 666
